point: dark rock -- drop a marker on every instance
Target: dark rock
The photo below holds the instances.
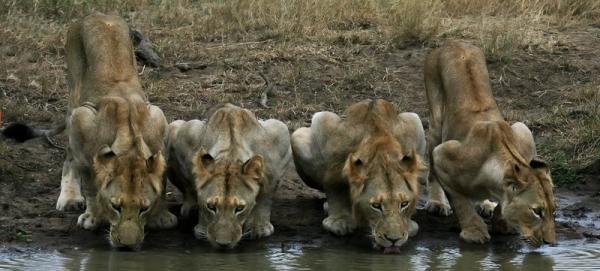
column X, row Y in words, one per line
column 144, row 49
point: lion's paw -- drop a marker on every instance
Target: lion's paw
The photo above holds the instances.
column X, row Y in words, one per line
column 259, row 230
column 475, row 235
column 438, row 208
column 70, row 202
column 339, row 225
column 163, row 220
column 87, row 221
column 486, row 208
column 200, row 232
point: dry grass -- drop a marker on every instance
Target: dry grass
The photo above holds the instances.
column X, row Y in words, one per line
column 344, row 50
column 396, row 20
column 577, row 142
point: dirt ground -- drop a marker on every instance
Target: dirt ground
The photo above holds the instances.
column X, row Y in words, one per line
column 536, row 87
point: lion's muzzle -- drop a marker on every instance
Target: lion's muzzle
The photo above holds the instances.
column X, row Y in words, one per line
column 225, row 236
column 127, row 234
column 391, row 235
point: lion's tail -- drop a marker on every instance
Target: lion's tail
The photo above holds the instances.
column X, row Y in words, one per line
column 22, row 132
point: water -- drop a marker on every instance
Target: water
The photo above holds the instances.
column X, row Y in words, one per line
column 439, row 255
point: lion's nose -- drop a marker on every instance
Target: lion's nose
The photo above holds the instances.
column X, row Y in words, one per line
column 393, row 240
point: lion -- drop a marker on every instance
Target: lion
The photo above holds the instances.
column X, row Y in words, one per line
column 477, row 155
column 116, row 138
column 369, row 165
column 228, row 169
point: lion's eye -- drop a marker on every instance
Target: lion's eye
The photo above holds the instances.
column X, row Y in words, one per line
column 240, row 208
column 211, row 207
column 538, row 211
column 376, row 206
column 404, row 204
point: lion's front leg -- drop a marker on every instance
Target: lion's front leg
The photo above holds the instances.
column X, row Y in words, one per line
column 437, row 202
column 161, row 218
column 486, row 208
column 258, row 223
column 339, row 219
column 190, row 199
column 70, row 197
column 473, row 228
column 90, row 219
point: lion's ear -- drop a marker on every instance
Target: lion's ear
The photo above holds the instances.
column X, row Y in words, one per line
column 254, row 168
column 202, row 163
column 539, row 165
column 156, row 163
column 354, row 168
column 104, row 154
column 413, row 162
column 102, row 165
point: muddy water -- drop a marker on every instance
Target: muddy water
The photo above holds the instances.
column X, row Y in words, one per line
column 427, row 255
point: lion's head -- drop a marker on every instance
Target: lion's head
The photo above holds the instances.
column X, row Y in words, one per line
column 384, row 188
column 128, row 188
column 529, row 201
column 226, row 192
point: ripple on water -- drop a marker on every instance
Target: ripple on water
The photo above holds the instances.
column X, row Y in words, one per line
column 568, row 255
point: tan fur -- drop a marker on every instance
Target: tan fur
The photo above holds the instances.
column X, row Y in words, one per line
column 368, row 165
column 115, row 136
column 477, row 155
column 228, row 169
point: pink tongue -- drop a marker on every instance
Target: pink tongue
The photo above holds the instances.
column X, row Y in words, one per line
column 391, row 250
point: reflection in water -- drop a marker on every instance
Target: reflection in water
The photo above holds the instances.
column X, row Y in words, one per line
column 446, row 259
column 419, row 259
column 569, row 255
